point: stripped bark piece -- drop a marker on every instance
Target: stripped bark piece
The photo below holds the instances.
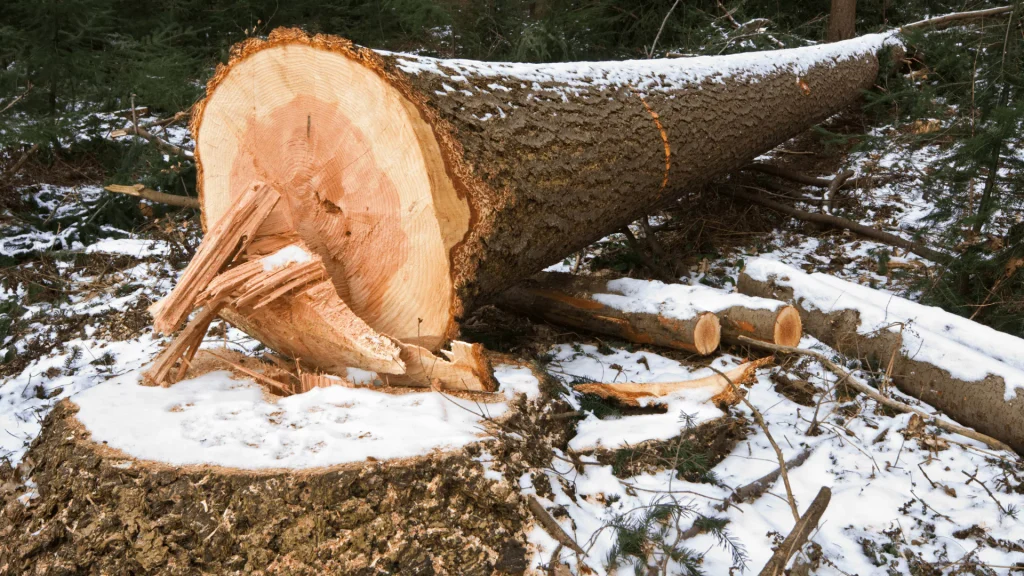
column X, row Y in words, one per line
column 464, row 367
column 182, row 349
column 568, row 300
column 780, row 326
column 629, row 393
column 222, row 243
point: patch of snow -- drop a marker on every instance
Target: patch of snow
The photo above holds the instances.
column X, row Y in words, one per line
column 285, row 256
column 676, row 300
column 513, row 380
column 130, row 247
column 217, row 420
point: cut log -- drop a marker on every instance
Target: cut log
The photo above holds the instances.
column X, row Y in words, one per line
column 692, row 318
column 779, row 326
column 590, row 304
column 629, row 393
column 969, row 371
column 428, row 186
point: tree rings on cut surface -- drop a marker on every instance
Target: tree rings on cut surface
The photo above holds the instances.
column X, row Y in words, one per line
column 360, row 174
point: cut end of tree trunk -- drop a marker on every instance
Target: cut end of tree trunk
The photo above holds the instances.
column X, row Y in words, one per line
column 707, row 334
column 789, row 329
column 360, row 172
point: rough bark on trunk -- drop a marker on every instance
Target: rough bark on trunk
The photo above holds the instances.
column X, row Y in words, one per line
column 981, row 404
column 842, row 20
column 428, row 186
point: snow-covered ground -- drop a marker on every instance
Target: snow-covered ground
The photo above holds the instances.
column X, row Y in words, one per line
column 219, row 419
column 895, row 503
column 906, row 499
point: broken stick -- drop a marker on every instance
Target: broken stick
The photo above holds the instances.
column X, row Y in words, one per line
column 141, row 191
column 798, row 536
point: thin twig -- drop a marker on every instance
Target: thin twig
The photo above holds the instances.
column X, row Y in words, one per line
column 778, row 451
column 663, row 21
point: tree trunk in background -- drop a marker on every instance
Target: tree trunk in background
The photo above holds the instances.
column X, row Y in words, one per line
column 981, row 404
column 428, row 186
column 842, row 20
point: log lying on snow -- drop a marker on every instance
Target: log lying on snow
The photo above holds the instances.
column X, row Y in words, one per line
column 692, row 318
column 427, row 186
column 597, row 305
column 971, row 372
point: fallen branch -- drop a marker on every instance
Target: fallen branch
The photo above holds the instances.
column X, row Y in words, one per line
column 788, row 174
column 550, row 525
column 629, row 392
column 21, row 161
column 799, row 535
column 843, row 223
column 649, row 262
column 141, row 191
column 833, row 189
column 940, row 22
column 752, row 491
column 160, row 143
column 18, row 99
column 874, row 395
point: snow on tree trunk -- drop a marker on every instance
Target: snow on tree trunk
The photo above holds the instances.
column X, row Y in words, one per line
column 428, row 186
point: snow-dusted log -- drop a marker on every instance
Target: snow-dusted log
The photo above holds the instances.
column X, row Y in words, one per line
column 598, row 305
column 969, row 371
column 693, row 318
column 428, row 186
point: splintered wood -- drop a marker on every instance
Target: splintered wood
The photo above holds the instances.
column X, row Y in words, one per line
column 223, row 242
column 290, row 292
column 719, row 385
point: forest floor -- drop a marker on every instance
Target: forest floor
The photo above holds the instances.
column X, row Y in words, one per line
column 906, row 498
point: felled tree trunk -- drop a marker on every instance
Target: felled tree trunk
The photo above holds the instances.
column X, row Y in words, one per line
column 981, row 404
column 428, row 186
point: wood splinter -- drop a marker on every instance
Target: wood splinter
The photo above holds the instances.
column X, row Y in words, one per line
column 630, row 393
